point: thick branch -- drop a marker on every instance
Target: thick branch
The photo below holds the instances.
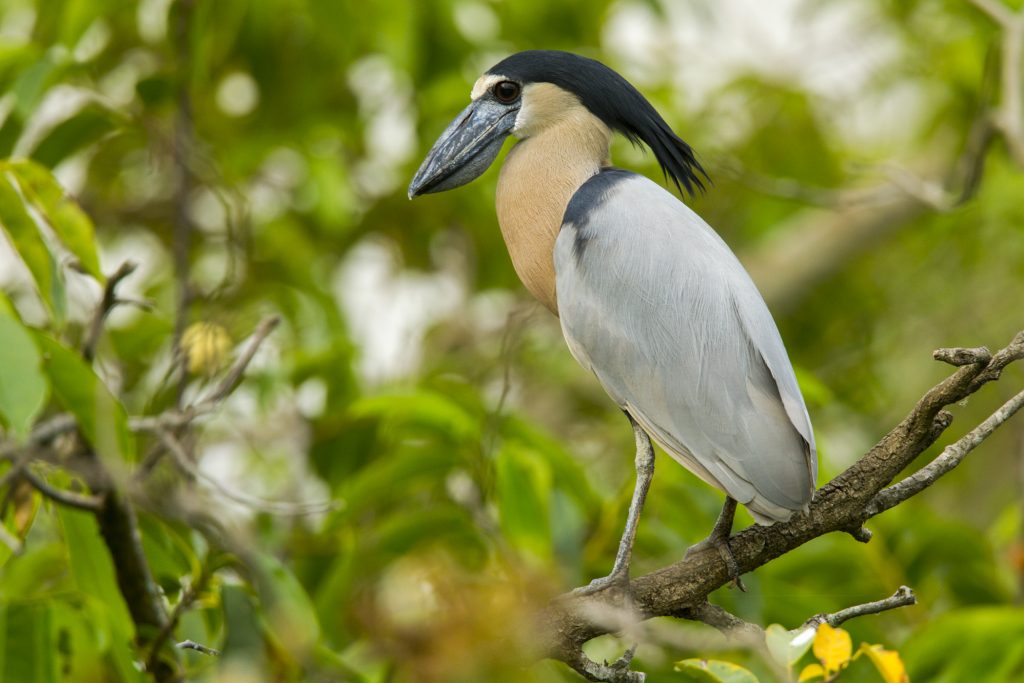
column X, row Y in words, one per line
column 843, row 504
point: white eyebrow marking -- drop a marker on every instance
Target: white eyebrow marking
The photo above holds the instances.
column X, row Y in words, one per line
column 484, row 83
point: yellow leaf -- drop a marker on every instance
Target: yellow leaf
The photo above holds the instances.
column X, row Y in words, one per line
column 887, row 662
column 206, row 346
column 810, row 672
column 833, row 647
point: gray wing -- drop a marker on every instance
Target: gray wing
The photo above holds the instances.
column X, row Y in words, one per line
column 658, row 307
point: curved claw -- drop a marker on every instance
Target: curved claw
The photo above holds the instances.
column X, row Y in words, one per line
column 722, row 546
column 719, row 539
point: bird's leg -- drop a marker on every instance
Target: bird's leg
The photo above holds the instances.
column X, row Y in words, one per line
column 719, row 539
column 644, row 473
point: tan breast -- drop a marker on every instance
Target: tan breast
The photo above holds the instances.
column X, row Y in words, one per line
column 565, row 146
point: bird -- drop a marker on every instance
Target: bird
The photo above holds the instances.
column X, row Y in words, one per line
column 649, row 297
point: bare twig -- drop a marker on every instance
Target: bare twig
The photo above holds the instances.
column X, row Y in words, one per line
column 107, row 304
column 950, row 457
column 82, row 501
column 42, row 434
column 903, row 597
column 789, row 188
column 185, row 462
column 198, row 647
column 188, row 596
column 234, row 374
column 1014, row 351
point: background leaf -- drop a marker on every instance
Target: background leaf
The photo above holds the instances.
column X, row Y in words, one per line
column 100, row 416
column 73, row 227
column 23, row 386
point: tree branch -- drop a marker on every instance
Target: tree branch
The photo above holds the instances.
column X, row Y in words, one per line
column 80, row 501
column 107, row 304
column 903, row 597
column 1009, row 118
column 198, row 647
column 234, row 374
column 188, row 465
column 950, row 457
column 843, row 504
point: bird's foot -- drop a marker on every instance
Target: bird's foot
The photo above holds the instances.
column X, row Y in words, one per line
column 721, row 544
column 617, row 581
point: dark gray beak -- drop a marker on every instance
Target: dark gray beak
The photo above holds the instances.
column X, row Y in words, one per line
column 466, row 148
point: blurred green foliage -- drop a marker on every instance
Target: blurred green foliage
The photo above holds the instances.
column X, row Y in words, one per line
column 476, row 470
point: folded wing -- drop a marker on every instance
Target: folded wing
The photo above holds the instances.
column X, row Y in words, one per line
column 658, row 307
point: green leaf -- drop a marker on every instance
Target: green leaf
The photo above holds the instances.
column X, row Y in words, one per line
column 73, row 227
column 81, row 640
column 241, row 620
column 28, row 242
column 977, row 644
column 100, row 416
column 523, row 479
column 83, row 128
column 23, row 386
column 90, row 561
column 714, row 671
column 424, row 410
column 785, row 646
column 31, row 83
column 94, row 576
column 290, row 614
column 26, row 648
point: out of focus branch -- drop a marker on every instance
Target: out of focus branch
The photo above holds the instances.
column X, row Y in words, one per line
column 81, row 501
column 182, row 145
column 107, row 304
column 1010, row 116
column 843, row 504
column 198, row 647
column 817, row 243
column 849, row 221
column 109, row 499
column 190, row 467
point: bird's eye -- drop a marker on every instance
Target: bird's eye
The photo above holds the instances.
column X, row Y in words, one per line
column 506, row 92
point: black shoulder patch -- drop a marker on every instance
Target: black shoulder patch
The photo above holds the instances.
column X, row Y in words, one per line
column 587, row 199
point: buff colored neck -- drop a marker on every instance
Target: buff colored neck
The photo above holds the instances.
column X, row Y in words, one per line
column 539, row 177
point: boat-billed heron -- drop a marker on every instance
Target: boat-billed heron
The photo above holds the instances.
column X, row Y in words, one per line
column 650, row 299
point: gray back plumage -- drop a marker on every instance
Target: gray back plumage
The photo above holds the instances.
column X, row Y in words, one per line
column 658, row 307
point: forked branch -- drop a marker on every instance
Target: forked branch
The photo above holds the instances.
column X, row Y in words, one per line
column 843, row 504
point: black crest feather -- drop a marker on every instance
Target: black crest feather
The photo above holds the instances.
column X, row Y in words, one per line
column 614, row 100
